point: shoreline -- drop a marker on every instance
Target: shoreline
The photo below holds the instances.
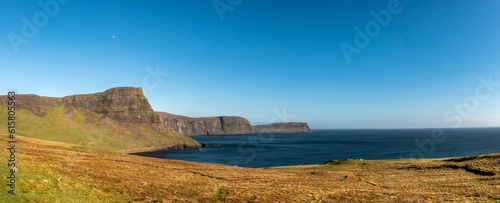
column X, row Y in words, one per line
column 139, row 151
column 136, row 151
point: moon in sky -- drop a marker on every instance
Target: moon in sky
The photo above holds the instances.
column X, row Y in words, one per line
column 113, row 36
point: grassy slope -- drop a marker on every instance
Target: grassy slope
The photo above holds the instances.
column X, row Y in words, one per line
column 56, row 172
column 36, row 181
column 90, row 131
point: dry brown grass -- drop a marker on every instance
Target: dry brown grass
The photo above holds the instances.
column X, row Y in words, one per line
column 121, row 177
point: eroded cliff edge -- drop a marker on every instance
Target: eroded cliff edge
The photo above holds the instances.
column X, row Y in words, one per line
column 118, row 119
column 226, row 125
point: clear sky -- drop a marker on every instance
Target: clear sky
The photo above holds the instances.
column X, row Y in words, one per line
column 257, row 59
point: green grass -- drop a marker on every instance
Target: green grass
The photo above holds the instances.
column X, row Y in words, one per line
column 38, row 183
column 89, row 130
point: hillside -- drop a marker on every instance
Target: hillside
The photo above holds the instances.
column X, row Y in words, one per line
column 58, row 172
column 225, row 125
column 118, row 119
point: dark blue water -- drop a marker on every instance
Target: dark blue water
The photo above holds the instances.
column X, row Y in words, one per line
column 265, row 150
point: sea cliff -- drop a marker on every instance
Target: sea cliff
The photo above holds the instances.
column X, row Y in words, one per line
column 285, row 127
column 118, row 119
column 220, row 125
column 226, row 125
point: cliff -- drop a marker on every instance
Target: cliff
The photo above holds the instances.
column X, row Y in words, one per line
column 225, row 125
column 221, row 125
column 118, row 119
column 287, row 127
column 127, row 105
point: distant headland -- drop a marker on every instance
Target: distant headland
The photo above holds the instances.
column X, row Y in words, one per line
column 226, row 125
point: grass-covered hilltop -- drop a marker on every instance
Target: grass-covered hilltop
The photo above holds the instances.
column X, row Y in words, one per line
column 51, row 171
column 118, row 119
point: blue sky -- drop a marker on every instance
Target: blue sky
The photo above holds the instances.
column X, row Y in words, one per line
column 267, row 58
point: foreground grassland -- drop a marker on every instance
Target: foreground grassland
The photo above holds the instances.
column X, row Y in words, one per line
column 58, row 172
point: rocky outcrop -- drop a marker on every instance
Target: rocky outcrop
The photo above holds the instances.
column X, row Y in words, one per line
column 225, row 125
column 127, row 105
column 286, row 127
column 123, row 104
column 37, row 104
column 221, row 125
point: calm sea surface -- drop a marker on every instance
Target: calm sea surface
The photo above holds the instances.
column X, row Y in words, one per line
column 281, row 149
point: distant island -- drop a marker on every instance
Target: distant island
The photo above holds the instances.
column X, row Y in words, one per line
column 226, row 125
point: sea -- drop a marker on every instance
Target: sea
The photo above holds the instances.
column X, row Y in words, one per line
column 284, row 149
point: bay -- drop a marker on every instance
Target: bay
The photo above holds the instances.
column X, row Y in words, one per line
column 282, row 149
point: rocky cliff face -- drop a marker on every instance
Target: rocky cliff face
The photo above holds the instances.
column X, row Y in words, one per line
column 118, row 119
column 225, row 125
column 127, row 105
column 287, row 127
column 221, row 125
column 36, row 104
column 123, row 104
